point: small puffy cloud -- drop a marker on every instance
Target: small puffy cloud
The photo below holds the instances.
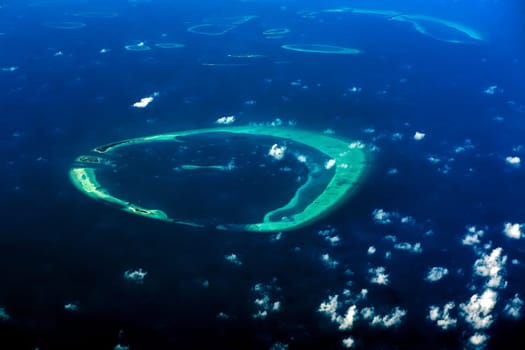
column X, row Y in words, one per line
column 492, row 266
column 392, row 319
column 276, row 237
column 277, row 152
column 379, row 276
column 328, row 261
column 513, row 160
column 412, row 248
column 145, row 101
column 121, row 347
column 478, row 340
column 4, row 316
column 329, row 164
column 371, row 250
column 391, row 238
column 409, row 220
column 279, row 346
column 392, row 171
column 512, row 230
column 418, row 136
column 356, row 145
column 477, row 311
column 330, row 235
column 333, row 240
column 348, row 342
column 71, row 307
column 302, row 158
column 264, row 302
column 222, row 315
column 382, row 217
column 329, row 307
column 233, row 258
column 367, row 312
column 397, row 136
column 225, row 120
column 135, row 275
column 9, row 69
column 513, row 307
column 347, row 322
column 492, row 90
column 472, row 236
column 436, row 273
column 441, row 316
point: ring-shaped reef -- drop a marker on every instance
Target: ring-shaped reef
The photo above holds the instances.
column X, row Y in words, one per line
column 441, row 29
column 320, row 48
column 169, row 45
column 138, row 47
column 213, row 29
column 245, row 178
column 433, row 27
column 65, row 25
column 276, row 31
column 234, row 20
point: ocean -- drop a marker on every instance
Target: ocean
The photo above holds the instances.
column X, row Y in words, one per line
column 428, row 250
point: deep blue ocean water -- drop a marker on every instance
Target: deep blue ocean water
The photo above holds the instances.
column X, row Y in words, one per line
column 66, row 91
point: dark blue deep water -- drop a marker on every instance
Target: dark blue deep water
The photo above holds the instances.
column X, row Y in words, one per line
column 442, row 118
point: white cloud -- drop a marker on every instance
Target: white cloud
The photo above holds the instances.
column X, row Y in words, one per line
column 301, row 158
column 234, row 259
column 513, row 307
column 279, row 346
column 260, row 314
column 330, row 235
column 408, row 220
column 4, row 316
column 397, row 136
column 71, row 307
column 145, row 101
column 222, row 315
column 441, row 316
column 371, row 250
column 477, row 311
column 225, row 120
column 391, row 238
column 333, row 240
column 135, row 275
column 394, row 318
column 418, row 136
column 329, row 261
column 379, row 276
column 277, row 151
column 493, row 89
column 330, row 307
column 513, row 160
column 512, row 230
column 367, row 312
column 392, row 171
column 478, row 340
column 329, row 164
column 382, row 217
column 348, row 342
column 412, row 248
column 492, row 266
column 436, row 273
column 472, row 236
column 264, row 303
column 347, row 322
column 9, row 69
column 356, row 145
